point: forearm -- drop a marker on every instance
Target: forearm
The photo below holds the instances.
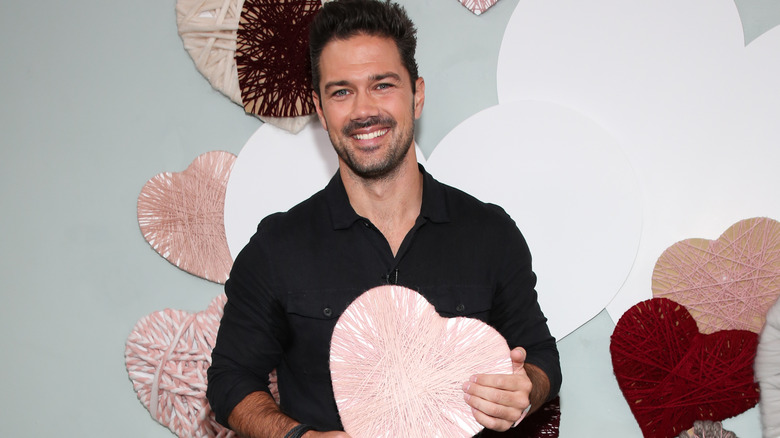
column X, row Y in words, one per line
column 258, row 416
column 541, row 386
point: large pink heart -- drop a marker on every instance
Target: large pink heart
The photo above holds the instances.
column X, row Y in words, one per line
column 167, row 355
column 478, row 6
column 398, row 367
column 181, row 216
column 726, row 284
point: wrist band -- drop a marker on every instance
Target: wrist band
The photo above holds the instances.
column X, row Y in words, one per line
column 298, row 431
column 525, row 412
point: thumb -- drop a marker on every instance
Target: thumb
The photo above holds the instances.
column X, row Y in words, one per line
column 518, row 358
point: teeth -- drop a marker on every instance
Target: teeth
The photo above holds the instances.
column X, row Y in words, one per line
column 370, row 135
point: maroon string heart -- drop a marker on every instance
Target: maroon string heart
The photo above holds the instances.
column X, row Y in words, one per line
column 672, row 375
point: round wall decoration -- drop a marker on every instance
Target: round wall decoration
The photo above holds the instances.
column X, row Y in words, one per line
column 272, row 55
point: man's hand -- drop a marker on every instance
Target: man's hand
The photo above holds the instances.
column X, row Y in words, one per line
column 499, row 400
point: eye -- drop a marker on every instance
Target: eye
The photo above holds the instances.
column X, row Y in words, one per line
column 340, row 93
column 384, row 86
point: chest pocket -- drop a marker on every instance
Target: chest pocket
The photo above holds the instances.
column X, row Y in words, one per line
column 470, row 301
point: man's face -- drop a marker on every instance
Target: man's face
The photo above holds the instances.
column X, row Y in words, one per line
column 366, row 104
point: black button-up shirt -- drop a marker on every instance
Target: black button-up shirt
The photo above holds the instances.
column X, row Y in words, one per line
column 302, row 269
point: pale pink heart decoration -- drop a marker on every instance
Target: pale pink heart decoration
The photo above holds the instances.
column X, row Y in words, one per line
column 167, row 355
column 398, row 367
column 478, row 6
column 726, row 284
column 181, row 216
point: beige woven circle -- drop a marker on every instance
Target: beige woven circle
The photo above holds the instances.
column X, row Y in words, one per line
column 208, row 30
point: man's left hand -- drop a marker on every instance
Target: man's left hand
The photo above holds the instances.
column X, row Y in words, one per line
column 499, row 400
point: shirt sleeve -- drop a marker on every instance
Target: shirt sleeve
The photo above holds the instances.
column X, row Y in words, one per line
column 516, row 313
column 251, row 334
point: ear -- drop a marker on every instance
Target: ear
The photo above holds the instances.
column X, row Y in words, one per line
column 419, row 97
column 318, row 106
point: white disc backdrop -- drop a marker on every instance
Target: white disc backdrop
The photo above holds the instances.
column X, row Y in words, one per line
column 569, row 188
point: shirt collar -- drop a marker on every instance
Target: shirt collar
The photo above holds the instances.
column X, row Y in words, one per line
column 434, row 203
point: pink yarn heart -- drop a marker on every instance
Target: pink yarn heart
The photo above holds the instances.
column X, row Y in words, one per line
column 478, row 6
column 398, row 367
column 167, row 355
column 726, row 284
column 181, row 216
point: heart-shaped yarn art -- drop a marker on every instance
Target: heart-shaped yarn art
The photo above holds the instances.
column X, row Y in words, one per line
column 209, row 33
column 672, row 375
column 398, row 367
column 181, row 216
column 478, row 6
column 167, row 355
column 728, row 283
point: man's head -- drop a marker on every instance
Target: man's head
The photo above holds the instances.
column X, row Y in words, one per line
column 342, row 19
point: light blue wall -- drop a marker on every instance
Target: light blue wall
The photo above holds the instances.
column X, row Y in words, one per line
column 97, row 97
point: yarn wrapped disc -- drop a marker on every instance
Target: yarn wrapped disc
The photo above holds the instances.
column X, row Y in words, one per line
column 209, row 30
column 398, row 367
column 728, row 283
column 272, row 55
column 767, row 369
column 672, row 375
column 181, row 216
column 167, row 355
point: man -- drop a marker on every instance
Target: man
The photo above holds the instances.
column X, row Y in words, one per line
column 381, row 220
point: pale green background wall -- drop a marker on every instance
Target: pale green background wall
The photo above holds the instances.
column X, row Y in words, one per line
column 97, row 97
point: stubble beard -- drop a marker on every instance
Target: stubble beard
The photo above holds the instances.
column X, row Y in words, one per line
column 389, row 164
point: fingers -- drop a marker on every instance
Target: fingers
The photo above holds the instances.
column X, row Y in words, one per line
column 498, row 400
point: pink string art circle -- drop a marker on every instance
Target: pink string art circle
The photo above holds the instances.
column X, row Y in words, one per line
column 167, row 355
column 181, row 216
column 398, row 367
column 726, row 284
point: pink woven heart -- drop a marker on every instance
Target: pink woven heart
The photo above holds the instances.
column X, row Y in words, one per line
column 726, row 284
column 478, row 6
column 181, row 216
column 398, row 367
column 167, row 355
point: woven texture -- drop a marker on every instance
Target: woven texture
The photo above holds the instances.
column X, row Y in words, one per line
column 672, row 375
column 398, row 367
column 209, row 30
column 478, row 6
column 167, row 355
column 728, row 283
column 181, row 216
column 767, row 370
column 274, row 71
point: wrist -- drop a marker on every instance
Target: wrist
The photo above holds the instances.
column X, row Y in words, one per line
column 298, row 431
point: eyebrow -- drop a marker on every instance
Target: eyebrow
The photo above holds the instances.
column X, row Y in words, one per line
column 372, row 78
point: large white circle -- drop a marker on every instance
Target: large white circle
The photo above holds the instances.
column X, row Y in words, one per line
column 572, row 192
column 274, row 171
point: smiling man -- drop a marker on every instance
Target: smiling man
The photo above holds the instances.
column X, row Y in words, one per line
column 382, row 219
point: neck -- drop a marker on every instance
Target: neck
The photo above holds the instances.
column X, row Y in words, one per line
column 392, row 203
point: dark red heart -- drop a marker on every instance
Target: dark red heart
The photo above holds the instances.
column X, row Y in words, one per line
column 672, row 375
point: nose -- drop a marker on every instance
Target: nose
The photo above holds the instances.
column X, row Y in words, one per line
column 364, row 106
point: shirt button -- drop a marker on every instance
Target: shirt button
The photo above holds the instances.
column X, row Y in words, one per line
column 460, row 308
column 327, row 312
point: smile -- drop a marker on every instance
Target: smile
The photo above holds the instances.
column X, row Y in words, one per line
column 370, row 135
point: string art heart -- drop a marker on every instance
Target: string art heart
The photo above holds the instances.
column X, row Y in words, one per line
column 478, row 6
column 167, row 355
column 398, row 367
column 728, row 283
column 672, row 375
column 181, row 216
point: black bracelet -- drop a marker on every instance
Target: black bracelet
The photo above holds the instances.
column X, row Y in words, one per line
column 298, row 431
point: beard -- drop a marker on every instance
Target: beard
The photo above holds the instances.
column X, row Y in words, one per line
column 383, row 167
